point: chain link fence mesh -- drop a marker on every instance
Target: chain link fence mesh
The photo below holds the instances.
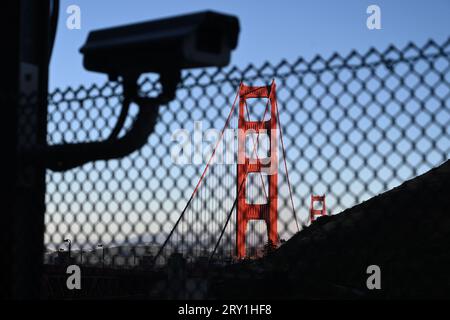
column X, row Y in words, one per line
column 354, row 126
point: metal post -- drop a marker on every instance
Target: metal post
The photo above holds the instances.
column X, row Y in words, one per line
column 70, row 247
column 103, row 254
column 23, row 95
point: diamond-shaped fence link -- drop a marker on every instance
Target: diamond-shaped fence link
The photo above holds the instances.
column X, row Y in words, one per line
column 353, row 126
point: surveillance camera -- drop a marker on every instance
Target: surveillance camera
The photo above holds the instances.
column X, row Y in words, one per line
column 190, row 41
column 163, row 46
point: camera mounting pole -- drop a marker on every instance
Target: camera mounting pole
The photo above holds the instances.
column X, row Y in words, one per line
column 67, row 156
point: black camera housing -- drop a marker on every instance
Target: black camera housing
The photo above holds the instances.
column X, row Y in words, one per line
column 196, row 40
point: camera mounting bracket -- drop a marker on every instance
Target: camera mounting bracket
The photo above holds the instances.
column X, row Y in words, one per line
column 63, row 157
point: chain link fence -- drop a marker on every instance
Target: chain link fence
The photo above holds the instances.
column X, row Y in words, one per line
column 354, row 126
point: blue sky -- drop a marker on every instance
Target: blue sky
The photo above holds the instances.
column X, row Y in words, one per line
column 270, row 30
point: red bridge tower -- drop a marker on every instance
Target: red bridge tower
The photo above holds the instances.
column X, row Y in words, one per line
column 317, row 212
column 269, row 210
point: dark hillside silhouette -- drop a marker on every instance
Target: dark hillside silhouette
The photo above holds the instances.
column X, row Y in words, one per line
column 405, row 231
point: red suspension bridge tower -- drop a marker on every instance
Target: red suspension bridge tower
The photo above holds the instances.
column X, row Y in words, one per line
column 313, row 213
column 269, row 166
column 265, row 168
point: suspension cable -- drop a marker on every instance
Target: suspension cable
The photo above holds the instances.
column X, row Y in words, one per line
column 200, row 180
